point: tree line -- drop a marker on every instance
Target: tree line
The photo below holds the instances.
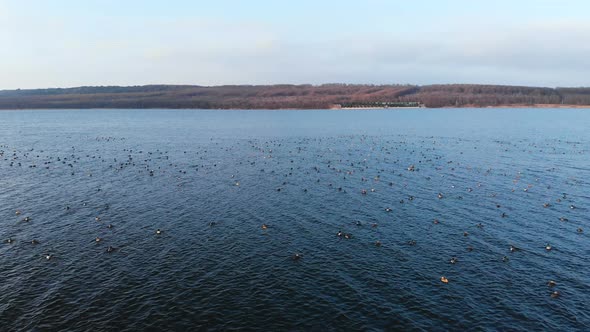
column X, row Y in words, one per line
column 287, row 96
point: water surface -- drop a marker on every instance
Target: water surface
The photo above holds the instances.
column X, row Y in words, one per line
column 210, row 179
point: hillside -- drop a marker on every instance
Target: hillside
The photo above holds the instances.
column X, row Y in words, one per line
column 288, row 96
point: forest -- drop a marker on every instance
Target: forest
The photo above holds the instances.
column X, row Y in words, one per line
column 288, row 96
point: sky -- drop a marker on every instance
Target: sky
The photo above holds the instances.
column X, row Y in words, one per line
column 68, row 43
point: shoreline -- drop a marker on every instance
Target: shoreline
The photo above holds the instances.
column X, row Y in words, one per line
column 519, row 106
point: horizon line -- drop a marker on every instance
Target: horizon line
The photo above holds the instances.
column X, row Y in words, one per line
column 286, row 84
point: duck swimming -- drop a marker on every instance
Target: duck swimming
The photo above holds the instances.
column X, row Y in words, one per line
column 264, row 226
column 548, row 247
column 158, row 231
column 453, row 260
column 551, row 283
column 378, row 243
column 444, row 280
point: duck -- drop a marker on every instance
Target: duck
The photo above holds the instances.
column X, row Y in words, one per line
column 33, row 241
column 454, row 260
column 339, row 234
column 111, row 249
column 9, row 240
column 48, row 256
column 158, row 231
column 444, row 280
column 551, row 283
column 580, row 230
column 548, row 247
column 388, row 210
column 297, row 256
column 98, row 239
column 412, row 242
column 465, row 234
column 264, row 226
column 505, row 259
column 378, row 243
column 513, row 249
column 440, row 196
column 18, row 212
column 555, row 294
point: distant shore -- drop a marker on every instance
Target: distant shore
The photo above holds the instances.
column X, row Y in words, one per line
column 539, row 106
column 285, row 96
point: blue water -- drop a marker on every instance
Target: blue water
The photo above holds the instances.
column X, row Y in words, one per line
column 209, row 180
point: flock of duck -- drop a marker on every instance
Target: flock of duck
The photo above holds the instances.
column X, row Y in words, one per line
column 350, row 164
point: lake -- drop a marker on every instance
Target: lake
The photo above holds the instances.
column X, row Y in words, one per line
column 230, row 220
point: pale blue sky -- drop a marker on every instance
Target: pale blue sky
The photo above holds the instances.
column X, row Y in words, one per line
column 64, row 43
